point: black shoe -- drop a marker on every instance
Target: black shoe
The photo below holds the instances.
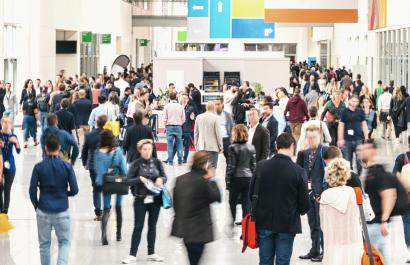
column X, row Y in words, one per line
column 307, row 256
column 238, row 223
column 317, row 259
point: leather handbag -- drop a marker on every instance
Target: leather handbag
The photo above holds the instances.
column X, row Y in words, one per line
column 166, row 199
column 114, row 183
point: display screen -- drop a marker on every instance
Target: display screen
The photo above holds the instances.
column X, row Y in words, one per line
column 66, row 47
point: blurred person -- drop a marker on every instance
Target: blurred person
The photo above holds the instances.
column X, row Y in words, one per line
column 208, row 135
column 247, row 91
column 121, row 84
column 384, row 113
column 102, row 109
column 324, row 134
column 135, row 133
column 370, row 116
column 228, row 98
column 109, row 157
column 365, row 93
column 30, row 112
column 346, row 82
column 43, row 102
column 91, row 143
column 2, row 94
column 143, row 173
column 66, row 140
column 310, row 85
column 195, row 95
column 352, row 131
column 57, row 97
column 187, row 126
column 340, row 217
column 239, row 107
column 377, row 93
column 95, row 94
column 142, row 104
column 239, row 169
column 225, row 124
column 358, row 85
column 56, row 181
column 322, row 82
column 311, row 98
column 398, row 117
column 27, row 91
column 193, row 194
column 288, row 190
column 283, row 98
column 258, row 136
column 269, row 121
column 311, row 160
column 10, row 103
column 37, row 85
column 174, row 118
column 391, row 86
column 298, row 113
column 124, row 99
column 320, row 105
column 332, row 112
column 82, row 110
column 332, row 86
column 109, row 87
column 113, row 103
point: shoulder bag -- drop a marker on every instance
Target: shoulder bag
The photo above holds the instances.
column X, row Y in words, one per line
column 114, row 183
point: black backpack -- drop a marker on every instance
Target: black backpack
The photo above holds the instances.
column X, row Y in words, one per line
column 42, row 103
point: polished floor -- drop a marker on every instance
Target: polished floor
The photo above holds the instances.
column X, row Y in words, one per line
column 20, row 245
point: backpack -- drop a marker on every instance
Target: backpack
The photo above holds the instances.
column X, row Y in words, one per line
column 42, row 103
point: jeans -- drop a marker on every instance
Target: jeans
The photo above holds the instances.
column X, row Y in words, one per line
column 316, row 233
column 107, row 200
column 239, row 186
column 226, row 142
column 186, row 142
column 349, row 150
column 97, row 193
column 406, row 224
column 5, row 191
column 275, row 248
column 43, row 120
column 380, row 242
column 61, row 222
column 174, row 136
column 140, row 209
column 30, row 127
column 195, row 251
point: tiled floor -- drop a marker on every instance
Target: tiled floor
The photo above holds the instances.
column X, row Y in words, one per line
column 20, row 245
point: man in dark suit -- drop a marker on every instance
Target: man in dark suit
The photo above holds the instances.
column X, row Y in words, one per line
column 195, row 95
column 258, row 136
column 92, row 140
column 282, row 196
column 269, row 122
column 82, row 109
column 65, row 118
column 134, row 134
column 312, row 161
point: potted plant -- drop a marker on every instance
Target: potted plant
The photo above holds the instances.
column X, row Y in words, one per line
column 258, row 89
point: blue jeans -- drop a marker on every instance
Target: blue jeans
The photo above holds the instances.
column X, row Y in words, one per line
column 349, row 150
column 174, row 136
column 61, row 222
column 275, row 248
column 381, row 243
column 107, row 200
column 406, row 224
column 97, row 193
column 30, row 127
column 43, row 120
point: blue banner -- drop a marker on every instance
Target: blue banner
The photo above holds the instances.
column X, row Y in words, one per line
column 198, row 8
column 220, row 19
column 252, row 29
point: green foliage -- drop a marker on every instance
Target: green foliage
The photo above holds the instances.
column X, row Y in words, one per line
column 258, row 88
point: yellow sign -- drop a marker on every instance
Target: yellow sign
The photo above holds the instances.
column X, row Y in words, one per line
column 248, row 9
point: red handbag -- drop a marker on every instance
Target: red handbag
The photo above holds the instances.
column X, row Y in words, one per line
column 249, row 234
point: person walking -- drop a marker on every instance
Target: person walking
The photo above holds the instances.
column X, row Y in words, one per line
column 10, row 102
column 8, row 141
column 398, row 116
column 91, row 143
column 82, row 110
column 352, row 131
column 43, row 102
column 340, row 217
column 27, row 91
column 370, row 117
column 30, row 112
column 109, row 156
column 269, row 121
column 239, row 169
column 225, row 123
column 65, row 117
column 384, row 103
column 298, row 113
column 52, row 177
column 258, row 136
column 147, row 177
column 187, row 126
column 207, row 134
column 288, row 189
column 102, row 109
column 174, row 117
column 193, row 194
column 143, row 105
column 332, row 112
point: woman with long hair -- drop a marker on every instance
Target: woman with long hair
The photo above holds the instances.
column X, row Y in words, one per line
column 332, row 86
column 114, row 104
column 109, row 157
column 240, row 166
column 398, row 117
column 365, row 93
column 370, row 117
column 28, row 90
column 332, row 112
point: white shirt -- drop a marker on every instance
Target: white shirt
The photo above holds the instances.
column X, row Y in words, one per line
column 228, row 98
column 384, row 101
column 251, row 133
column 122, row 85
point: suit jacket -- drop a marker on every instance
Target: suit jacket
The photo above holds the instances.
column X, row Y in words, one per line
column 282, row 196
column 193, row 195
column 133, row 135
column 91, row 142
column 261, row 142
column 272, row 126
column 316, row 174
column 82, row 109
column 207, row 135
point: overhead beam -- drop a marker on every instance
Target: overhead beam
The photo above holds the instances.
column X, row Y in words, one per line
column 159, row 21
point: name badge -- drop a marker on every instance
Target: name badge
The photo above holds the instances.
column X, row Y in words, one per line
column 149, row 199
column 309, row 185
column 350, row 132
column 7, row 165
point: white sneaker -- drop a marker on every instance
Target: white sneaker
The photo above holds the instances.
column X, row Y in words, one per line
column 129, row 259
column 155, row 257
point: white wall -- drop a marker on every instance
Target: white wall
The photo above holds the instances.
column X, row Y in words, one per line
column 398, row 12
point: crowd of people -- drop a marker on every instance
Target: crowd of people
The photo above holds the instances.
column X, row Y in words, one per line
column 300, row 151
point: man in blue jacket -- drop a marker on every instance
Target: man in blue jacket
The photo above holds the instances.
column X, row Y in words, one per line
column 66, row 140
column 52, row 176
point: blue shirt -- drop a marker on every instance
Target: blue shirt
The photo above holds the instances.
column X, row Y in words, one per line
column 107, row 161
column 7, row 152
column 52, row 177
column 66, row 141
column 102, row 109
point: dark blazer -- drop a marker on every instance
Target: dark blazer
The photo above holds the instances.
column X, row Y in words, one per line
column 193, row 195
column 318, row 170
column 241, row 161
column 66, row 120
column 91, row 142
column 272, row 127
column 82, row 109
column 261, row 142
column 282, row 197
column 133, row 135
